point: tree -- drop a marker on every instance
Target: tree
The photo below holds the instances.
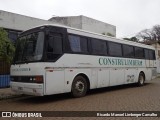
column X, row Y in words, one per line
column 108, row 34
column 7, row 48
column 126, row 38
column 150, row 35
column 134, row 39
column 156, row 32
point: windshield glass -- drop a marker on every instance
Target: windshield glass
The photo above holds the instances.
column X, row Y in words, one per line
column 29, row 47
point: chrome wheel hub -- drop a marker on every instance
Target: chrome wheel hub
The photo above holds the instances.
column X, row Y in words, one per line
column 79, row 86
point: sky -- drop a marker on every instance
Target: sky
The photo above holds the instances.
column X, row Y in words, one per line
column 129, row 16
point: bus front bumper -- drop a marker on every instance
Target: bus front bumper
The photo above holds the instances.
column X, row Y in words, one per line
column 27, row 88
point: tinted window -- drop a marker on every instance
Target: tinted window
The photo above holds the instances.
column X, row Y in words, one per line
column 146, row 53
column 139, row 53
column 99, row 47
column 128, row 51
column 75, row 43
column 29, row 47
column 115, row 49
column 78, row 44
column 152, row 55
column 13, row 35
column 84, row 45
column 54, row 47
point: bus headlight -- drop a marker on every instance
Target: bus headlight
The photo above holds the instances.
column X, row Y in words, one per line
column 31, row 79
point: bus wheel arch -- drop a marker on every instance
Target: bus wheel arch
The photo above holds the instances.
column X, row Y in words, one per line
column 80, row 81
column 141, row 78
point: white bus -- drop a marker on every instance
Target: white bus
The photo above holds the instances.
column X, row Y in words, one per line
column 53, row 59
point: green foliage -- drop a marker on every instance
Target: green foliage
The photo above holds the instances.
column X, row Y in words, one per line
column 103, row 33
column 108, row 34
column 7, row 48
column 126, row 38
column 134, row 39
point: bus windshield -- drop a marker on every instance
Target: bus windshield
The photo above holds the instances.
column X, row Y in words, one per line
column 29, row 47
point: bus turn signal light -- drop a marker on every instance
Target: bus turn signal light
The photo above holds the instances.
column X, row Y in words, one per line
column 39, row 79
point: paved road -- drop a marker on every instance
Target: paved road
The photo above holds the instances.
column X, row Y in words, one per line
column 121, row 98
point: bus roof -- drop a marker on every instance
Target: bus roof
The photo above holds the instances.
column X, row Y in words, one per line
column 97, row 35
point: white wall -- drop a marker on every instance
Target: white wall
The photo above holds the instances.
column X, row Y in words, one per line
column 72, row 21
column 19, row 22
column 93, row 25
column 85, row 23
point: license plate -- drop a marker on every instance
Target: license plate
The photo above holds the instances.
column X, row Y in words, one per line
column 20, row 88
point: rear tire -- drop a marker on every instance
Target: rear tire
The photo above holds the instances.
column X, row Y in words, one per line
column 79, row 87
column 141, row 79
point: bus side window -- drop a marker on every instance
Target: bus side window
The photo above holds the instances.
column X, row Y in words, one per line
column 54, row 46
column 75, row 43
column 152, row 55
column 128, row 51
column 115, row 49
column 139, row 52
column 78, row 44
column 146, row 53
column 99, row 47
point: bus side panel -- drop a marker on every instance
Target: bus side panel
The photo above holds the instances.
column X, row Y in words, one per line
column 116, row 76
column 148, row 74
column 54, row 81
column 94, row 78
column 130, row 75
column 71, row 73
column 69, row 76
column 103, row 78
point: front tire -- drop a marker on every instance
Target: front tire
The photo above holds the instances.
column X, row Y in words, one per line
column 79, row 87
column 141, row 79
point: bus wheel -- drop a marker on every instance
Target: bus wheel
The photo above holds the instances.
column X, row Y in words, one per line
column 141, row 79
column 79, row 87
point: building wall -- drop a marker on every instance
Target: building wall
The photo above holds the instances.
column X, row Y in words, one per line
column 19, row 22
column 12, row 21
column 85, row 23
column 93, row 25
column 73, row 21
column 15, row 23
